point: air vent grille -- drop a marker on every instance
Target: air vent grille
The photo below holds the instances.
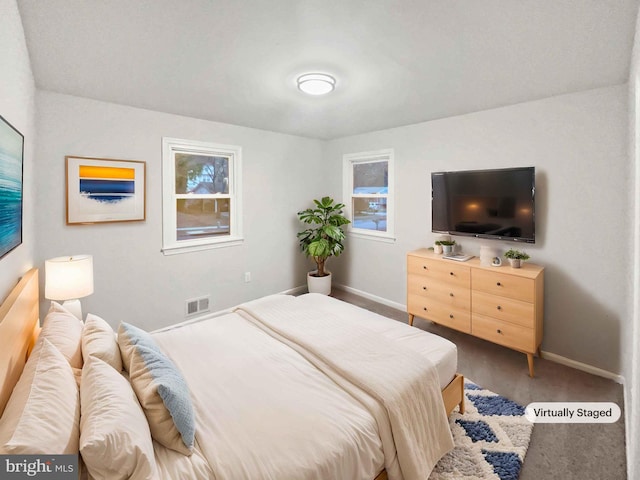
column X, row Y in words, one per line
column 197, row 306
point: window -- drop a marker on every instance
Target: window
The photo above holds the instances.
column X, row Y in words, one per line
column 201, row 195
column 368, row 183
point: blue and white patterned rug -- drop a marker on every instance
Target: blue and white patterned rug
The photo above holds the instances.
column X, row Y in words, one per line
column 491, row 439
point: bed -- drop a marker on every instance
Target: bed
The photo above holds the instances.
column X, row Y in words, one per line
column 266, row 405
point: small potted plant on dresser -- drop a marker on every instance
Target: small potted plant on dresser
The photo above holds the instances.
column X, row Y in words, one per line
column 447, row 245
column 516, row 257
column 323, row 239
column 437, row 247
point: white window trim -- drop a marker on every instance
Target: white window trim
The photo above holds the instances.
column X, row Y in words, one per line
column 170, row 243
column 349, row 160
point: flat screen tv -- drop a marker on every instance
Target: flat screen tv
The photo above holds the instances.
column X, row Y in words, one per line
column 492, row 204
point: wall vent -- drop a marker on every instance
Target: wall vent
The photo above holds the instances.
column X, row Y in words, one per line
column 197, row 306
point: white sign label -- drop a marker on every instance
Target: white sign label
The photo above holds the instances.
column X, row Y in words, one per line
column 572, row 412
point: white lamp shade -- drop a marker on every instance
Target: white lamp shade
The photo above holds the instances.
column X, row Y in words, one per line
column 68, row 278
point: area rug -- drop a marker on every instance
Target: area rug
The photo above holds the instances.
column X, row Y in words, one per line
column 491, row 439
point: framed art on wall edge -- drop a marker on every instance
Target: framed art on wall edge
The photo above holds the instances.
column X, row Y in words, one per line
column 11, row 171
column 103, row 190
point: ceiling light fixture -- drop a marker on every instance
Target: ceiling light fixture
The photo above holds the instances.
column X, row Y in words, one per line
column 316, row 83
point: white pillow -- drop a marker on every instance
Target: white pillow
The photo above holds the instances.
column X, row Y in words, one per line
column 115, row 442
column 64, row 331
column 48, row 421
column 99, row 340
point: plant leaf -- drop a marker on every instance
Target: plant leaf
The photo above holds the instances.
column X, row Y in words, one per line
column 319, row 248
column 333, row 232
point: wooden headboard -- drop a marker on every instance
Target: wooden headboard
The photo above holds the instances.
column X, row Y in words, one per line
column 19, row 329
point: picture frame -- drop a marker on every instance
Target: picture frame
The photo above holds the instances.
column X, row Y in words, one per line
column 105, row 190
column 11, row 187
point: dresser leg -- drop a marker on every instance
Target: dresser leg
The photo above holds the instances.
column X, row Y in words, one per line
column 530, row 360
column 411, row 319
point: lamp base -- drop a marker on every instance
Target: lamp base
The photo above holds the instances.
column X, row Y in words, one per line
column 74, row 307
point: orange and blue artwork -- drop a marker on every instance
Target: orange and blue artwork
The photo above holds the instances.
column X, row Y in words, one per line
column 107, row 184
column 104, row 190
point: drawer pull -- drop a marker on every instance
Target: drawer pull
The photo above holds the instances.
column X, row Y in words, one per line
column 424, row 288
column 451, row 315
column 451, row 294
column 499, row 284
column 499, row 307
column 424, row 267
column 499, row 331
column 451, row 273
column 424, row 308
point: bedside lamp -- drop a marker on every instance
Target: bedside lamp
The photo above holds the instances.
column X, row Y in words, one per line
column 69, row 279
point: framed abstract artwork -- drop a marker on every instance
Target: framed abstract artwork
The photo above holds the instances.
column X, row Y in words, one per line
column 103, row 190
column 11, row 168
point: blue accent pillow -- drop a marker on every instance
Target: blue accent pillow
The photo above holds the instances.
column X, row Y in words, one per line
column 137, row 336
column 161, row 389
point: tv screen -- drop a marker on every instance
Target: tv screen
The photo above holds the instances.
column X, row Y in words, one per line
column 493, row 204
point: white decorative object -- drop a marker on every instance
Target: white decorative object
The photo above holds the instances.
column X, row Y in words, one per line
column 319, row 284
column 437, row 248
column 69, row 279
column 487, row 254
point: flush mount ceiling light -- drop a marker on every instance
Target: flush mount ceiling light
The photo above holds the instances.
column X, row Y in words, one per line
column 316, row 83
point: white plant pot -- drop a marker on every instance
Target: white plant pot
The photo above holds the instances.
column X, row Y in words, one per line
column 437, row 249
column 515, row 262
column 320, row 285
column 447, row 248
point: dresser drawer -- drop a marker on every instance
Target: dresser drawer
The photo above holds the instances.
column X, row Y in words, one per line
column 503, row 308
column 507, row 334
column 503, row 284
column 441, row 270
column 447, row 315
column 443, row 292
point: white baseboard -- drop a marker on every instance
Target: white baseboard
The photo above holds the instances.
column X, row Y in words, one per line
column 554, row 357
column 375, row 298
column 295, row 290
column 201, row 318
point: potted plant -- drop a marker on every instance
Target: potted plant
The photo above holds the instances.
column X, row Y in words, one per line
column 437, row 247
column 323, row 239
column 516, row 257
column 447, row 245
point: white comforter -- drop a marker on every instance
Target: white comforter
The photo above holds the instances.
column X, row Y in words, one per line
column 265, row 412
column 405, row 384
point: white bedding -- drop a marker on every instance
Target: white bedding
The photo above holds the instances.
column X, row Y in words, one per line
column 264, row 412
column 442, row 353
column 412, row 422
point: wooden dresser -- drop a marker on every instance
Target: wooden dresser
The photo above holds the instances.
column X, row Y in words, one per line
column 501, row 304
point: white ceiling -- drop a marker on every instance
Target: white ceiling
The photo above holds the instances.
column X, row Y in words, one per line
column 396, row 62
